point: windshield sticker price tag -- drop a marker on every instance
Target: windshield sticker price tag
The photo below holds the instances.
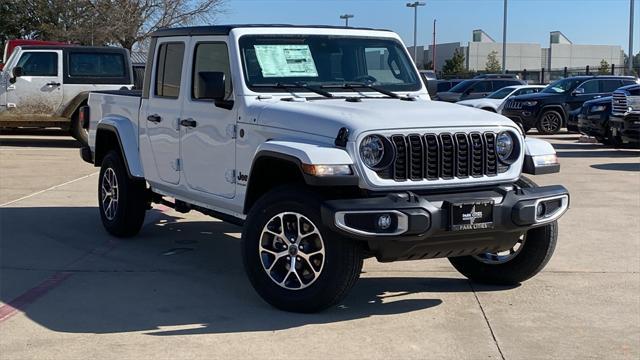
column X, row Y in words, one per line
column 286, row 61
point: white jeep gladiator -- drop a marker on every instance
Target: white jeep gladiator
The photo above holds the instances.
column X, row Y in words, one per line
column 45, row 85
column 323, row 144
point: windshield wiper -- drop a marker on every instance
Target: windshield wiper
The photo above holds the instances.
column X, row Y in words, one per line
column 360, row 85
column 296, row 85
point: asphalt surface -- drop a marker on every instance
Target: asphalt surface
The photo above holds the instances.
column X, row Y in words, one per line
column 178, row 290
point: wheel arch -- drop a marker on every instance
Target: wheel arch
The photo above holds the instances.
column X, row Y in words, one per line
column 72, row 106
column 110, row 136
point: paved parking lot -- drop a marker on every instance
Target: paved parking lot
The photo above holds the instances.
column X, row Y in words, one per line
column 178, row 291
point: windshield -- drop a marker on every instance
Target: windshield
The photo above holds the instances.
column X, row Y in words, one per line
column 463, row 86
column 561, row 86
column 501, row 94
column 323, row 61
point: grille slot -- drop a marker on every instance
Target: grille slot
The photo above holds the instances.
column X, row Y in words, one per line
column 619, row 103
column 443, row 156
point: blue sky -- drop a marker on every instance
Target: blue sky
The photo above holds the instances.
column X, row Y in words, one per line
column 603, row 22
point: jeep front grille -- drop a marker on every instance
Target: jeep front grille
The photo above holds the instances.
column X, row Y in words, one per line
column 619, row 103
column 513, row 104
column 443, row 156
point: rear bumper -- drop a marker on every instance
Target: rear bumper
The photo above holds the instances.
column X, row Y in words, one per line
column 421, row 226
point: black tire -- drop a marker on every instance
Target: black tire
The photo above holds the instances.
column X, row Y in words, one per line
column 614, row 140
column 550, row 122
column 131, row 200
column 342, row 259
column 528, row 261
column 77, row 131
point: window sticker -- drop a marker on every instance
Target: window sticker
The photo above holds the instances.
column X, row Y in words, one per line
column 286, row 61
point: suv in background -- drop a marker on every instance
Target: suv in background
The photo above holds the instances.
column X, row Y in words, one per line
column 496, row 76
column 593, row 120
column 549, row 109
column 625, row 116
column 476, row 88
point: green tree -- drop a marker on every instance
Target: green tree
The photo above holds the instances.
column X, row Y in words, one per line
column 455, row 65
column 493, row 64
column 604, row 68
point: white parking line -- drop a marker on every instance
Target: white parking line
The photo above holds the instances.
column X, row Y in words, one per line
column 48, row 189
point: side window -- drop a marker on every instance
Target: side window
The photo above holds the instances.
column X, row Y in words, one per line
column 96, row 65
column 499, row 84
column 211, row 57
column 481, row 86
column 609, row 86
column 169, row 70
column 628, row 82
column 39, row 64
column 591, row 87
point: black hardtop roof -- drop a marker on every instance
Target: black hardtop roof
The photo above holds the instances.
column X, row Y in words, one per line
column 72, row 47
column 225, row 29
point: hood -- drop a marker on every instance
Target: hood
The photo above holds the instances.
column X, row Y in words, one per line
column 449, row 96
column 325, row 117
column 599, row 101
column 536, row 96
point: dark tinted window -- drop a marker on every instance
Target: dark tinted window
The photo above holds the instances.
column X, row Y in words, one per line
column 628, row 82
column 528, row 91
column 212, row 57
column 39, row 64
column 608, row 86
column 169, row 69
column 499, row 84
column 590, row 87
column 96, row 65
column 482, row 86
column 463, row 86
column 444, row 86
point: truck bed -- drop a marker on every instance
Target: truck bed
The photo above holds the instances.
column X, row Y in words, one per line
column 114, row 106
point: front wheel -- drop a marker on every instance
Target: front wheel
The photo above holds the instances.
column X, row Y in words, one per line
column 121, row 200
column 528, row 256
column 293, row 261
column 550, row 122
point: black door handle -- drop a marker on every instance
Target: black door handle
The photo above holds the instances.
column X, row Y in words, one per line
column 154, row 118
column 188, row 123
column 53, row 83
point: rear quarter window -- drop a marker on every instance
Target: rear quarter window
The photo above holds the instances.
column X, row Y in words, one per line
column 96, row 65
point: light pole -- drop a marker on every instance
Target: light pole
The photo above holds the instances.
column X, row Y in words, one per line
column 630, row 64
column 504, row 38
column 415, row 5
column 346, row 18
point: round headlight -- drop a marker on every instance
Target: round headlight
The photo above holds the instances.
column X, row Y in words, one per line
column 504, row 145
column 372, row 150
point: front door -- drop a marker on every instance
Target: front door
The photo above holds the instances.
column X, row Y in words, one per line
column 161, row 115
column 208, row 137
column 39, row 90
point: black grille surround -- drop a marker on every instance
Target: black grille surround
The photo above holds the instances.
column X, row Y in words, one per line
column 443, row 156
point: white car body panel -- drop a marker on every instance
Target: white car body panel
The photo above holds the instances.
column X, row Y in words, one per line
column 495, row 104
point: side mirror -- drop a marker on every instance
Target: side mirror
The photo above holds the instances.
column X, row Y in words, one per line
column 578, row 91
column 16, row 72
column 210, row 85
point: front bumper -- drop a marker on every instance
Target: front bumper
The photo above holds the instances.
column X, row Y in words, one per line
column 526, row 116
column 627, row 126
column 592, row 125
column 421, row 227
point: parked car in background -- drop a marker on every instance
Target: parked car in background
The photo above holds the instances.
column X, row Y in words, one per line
column 430, row 80
column 497, row 76
column 476, row 88
column 593, row 120
column 10, row 45
column 549, row 109
column 625, row 116
column 495, row 99
column 446, row 85
column 44, row 86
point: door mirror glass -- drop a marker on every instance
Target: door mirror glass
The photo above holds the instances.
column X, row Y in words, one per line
column 16, row 72
column 210, row 85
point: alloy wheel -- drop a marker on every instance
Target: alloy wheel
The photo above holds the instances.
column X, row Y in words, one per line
column 109, row 194
column 502, row 257
column 550, row 122
column 291, row 250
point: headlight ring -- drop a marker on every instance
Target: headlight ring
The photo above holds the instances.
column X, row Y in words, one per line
column 376, row 152
column 507, row 147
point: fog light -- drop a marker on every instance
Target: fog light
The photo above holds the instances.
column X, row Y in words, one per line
column 540, row 210
column 384, row 221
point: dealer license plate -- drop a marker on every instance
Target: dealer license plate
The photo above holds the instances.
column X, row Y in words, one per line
column 471, row 216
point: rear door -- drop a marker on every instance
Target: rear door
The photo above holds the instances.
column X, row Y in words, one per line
column 208, row 145
column 160, row 117
column 39, row 90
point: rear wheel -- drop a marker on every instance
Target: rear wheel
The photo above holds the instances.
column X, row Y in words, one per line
column 528, row 256
column 293, row 261
column 77, row 131
column 613, row 140
column 122, row 200
column 550, row 122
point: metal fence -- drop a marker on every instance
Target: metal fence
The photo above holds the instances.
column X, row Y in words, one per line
column 545, row 76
